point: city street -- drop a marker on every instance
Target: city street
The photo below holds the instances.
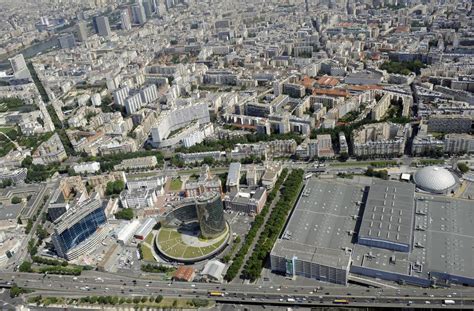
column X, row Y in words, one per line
column 96, row 283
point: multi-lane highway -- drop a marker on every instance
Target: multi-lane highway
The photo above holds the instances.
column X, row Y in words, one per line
column 96, row 283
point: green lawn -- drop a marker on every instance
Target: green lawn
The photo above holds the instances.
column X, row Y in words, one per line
column 176, row 184
column 6, row 130
column 5, row 145
column 172, row 245
column 15, row 104
column 149, row 238
column 147, row 253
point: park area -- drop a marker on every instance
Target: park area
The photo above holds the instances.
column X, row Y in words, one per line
column 176, row 184
column 187, row 246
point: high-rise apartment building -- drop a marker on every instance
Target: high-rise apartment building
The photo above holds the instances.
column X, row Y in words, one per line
column 102, row 26
column 459, row 143
column 133, row 103
column 149, row 94
column 125, row 22
column 147, row 8
column 81, row 31
column 20, row 70
column 67, row 41
column 120, row 95
column 139, row 16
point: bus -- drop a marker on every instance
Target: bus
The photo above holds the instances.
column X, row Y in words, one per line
column 341, row 301
column 448, row 302
column 215, row 294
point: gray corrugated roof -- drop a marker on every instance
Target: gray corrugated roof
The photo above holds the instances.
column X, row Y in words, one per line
column 234, row 174
column 318, row 230
column 388, row 213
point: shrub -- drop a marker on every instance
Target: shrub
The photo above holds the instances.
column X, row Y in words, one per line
column 16, row 200
column 463, row 167
column 125, row 213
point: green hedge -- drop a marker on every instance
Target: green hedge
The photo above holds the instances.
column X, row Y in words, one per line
column 49, row 262
column 61, row 270
column 156, row 268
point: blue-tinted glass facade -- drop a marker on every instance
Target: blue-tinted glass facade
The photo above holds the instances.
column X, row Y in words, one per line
column 80, row 231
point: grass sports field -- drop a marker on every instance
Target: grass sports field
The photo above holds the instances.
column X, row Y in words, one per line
column 172, row 245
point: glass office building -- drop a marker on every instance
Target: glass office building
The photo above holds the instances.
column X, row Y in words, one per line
column 210, row 212
column 78, row 224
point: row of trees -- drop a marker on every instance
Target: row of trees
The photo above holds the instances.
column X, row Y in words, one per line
column 228, row 144
column 69, row 270
column 274, row 225
column 102, row 300
column 178, row 162
column 53, row 267
column 235, row 244
column 50, row 262
column 156, row 268
column 257, row 223
column 383, row 163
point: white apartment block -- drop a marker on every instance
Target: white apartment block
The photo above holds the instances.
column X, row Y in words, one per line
column 458, row 143
column 380, row 139
column 137, row 163
column 120, row 95
column 178, row 118
column 325, row 149
column 133, row 103
column 139, row 198
column 149, row 94
column 87, row 168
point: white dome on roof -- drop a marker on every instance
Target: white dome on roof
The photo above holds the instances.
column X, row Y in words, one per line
column 434, row 179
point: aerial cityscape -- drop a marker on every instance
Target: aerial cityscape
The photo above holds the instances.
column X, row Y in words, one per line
column 236, row 154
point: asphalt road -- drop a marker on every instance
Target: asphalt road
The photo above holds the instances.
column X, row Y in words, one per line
column 97, row 283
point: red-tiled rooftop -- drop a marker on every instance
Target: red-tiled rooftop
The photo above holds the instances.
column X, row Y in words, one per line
column 184, row 273
column 364, row 87
column 328, row 81
column 331, row 92
column 308, row 82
